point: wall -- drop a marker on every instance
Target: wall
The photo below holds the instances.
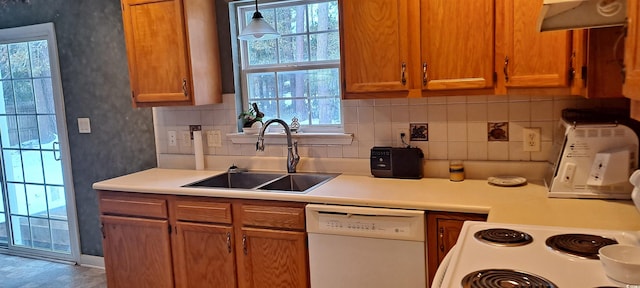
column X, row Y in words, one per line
column 96, row 85
column 458, row 126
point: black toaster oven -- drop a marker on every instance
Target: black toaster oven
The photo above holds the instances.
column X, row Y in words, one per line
column 394, row 162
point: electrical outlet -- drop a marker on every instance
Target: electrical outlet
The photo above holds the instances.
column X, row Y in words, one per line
column 531, row 139
column 185, row 139
column 214, row 138
column 173, row 138
column 399, row 133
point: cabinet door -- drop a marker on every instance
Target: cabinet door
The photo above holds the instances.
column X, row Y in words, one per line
column 631, row 87
column 272, row 258
column 156, row 50
column 205, row 255
column 443, row 229
column 137, row 252
column 525, row 57
column 457, row 44
column 375, row 45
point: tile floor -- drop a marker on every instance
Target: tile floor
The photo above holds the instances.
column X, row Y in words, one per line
column 21, row 272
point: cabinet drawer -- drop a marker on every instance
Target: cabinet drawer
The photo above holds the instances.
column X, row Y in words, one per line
column 133, row 205
column 273, row 216
column 203, row 211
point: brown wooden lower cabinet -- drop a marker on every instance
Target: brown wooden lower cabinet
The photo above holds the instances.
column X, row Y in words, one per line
column 182, row 241
column 443, row 229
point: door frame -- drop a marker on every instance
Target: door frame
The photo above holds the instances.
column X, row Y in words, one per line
column 46, row 31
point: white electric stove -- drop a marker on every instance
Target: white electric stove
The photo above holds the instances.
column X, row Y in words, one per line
column 525, row 257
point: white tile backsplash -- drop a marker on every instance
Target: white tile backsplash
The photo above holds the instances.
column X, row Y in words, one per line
column 457, row 126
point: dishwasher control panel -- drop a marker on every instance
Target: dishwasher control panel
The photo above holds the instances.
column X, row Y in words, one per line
column 366, row 222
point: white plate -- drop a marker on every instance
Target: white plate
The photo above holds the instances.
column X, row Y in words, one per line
column 507, row 181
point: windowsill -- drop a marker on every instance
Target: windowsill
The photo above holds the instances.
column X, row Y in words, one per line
column 303, row 138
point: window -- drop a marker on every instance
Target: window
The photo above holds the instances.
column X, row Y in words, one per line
column 296, row 75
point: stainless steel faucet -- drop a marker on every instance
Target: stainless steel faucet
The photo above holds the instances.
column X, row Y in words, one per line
column 292, row 146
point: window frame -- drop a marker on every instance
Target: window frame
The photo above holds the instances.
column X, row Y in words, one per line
column 238, row 8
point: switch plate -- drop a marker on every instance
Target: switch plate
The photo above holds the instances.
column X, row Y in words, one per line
column 214, row 138
column 531, row 139
column 173, row 138
column 84, row 125
column 185, row 139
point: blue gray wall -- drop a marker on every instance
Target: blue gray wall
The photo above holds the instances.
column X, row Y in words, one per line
column 95, row 81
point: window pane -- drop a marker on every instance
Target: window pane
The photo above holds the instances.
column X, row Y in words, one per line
column 293, row 49
column 19, row 59
column 13, row 165
column 32, row 167
column 294, row 108
column 21, row 231
column 40, row 58
column 8, row 105
column 4, row 62
column 1, row 206
column 41, row 233
column 325, row 46
column 325, row 111
column 52, row 167
column 4, row 237
column 48, row 131
column 23, row 91
column 292, row 84
column 37, row 200
column 9, row 128
column 324, row 16
column 292, row 19
column 269, row 108
column 324, row 83
column 262, row 52
column 44, row 96
column 57, row 202
column 261, row 85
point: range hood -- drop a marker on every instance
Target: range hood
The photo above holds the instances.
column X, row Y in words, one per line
column 578, row 14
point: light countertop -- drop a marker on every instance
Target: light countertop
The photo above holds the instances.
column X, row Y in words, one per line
column 526, row 204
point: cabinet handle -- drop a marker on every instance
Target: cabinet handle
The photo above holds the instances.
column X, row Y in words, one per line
column 404, row 68
column 506, row 68
column 229, row 242
column 184, row 87
column 425, row 76
column 441, row 239
column 244, row 244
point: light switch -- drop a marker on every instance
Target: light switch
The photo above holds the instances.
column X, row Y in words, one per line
column 84, row 125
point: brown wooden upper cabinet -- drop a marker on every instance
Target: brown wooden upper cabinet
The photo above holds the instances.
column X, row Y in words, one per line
column 631, row 87
column 527, row 58
column 172, row 50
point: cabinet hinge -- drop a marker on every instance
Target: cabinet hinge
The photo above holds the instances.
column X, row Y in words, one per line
column 495, row 76
column 169, row 228
column 133, row 95
column 102, row 230
column 584, row 75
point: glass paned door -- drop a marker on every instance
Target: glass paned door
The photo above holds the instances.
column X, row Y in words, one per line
column 34, row 207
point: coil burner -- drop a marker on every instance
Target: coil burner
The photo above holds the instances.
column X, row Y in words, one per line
column 580, row 245
column 503, row 237
column 499, row 278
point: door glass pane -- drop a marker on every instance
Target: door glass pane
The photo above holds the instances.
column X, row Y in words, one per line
column 21, row 232
column 60, row 236
column 19, row 60
column 39, row 55
column 8, row 106
column 32, row 167
column 25, row 101
column 48, row 131
column 4, row 237
column 40, row 233
column 13, row 165
column 17, row 199
column 44, row 96
column 37, row 200
column 28, row 132
column 9, row 130
column 4, row 62
column 57, row 202
column 52, row 168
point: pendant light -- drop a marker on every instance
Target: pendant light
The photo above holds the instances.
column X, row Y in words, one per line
column 258, row 28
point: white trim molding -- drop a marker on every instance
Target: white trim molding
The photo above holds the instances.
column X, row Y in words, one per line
column 91, row 261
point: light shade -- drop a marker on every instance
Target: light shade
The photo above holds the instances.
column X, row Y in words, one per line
column 258, row 29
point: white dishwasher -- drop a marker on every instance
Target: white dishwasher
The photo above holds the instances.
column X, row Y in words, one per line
column 361, row 247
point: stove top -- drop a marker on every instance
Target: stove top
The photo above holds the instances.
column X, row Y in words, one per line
column 476, row 263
